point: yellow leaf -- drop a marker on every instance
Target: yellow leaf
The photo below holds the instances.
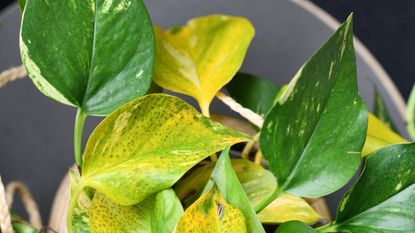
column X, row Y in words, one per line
column 258, row 184
column 198, row 59
column 211, row 214
column 288, row 207
column 379, row 135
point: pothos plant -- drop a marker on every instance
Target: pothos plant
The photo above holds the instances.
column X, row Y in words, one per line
column 152, row 166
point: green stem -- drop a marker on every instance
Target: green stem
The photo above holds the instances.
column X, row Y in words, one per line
column 267, row 201
column 78, row 131
column 331, row 227
column 206, row 113
column 72, row 204
column 248, row 146
column 410, row 114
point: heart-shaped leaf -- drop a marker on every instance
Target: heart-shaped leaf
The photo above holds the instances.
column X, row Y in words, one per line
column 228, row 184
column 212, row 214
column 147, row 145
column 253, row 92
column 410, row 114
column 383, row 199
column 258, row 184
column 313, row 136
column 159, row 213
column 93, row 54
column 200, row 58
column 379, row 135
column 295, row 227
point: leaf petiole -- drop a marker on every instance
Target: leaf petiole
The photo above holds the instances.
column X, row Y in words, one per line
column 278, row 192
column 72, row 204
column 78, row 131
column 205, row 112
column 248, row 146
column 331, row 227
column 410, row 114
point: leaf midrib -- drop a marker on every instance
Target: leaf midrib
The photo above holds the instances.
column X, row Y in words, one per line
column 83, row 102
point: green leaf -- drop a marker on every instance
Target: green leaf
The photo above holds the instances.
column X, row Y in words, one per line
column 380, row 110
column 379, row 135
column 313, row 136
column 20, row 227
column 147, row 145
column 198, row 59
column 383, row 199
column 159, row 213
column 253, row 92
column 228, row 184
column 92, row 54
column 258, row 184
column 410, row 114
column 167, row 211
column 294, row 227
column 212, row 214
column 22, row 4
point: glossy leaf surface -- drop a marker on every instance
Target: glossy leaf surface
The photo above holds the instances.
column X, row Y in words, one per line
column 198, row 59
column 212, row 214
column 93, row 54
column 252, row 92
column 258, row 184
column 379, row 135
column 383, row 199
column 229, row 186
column 147, row 145
column 295, row 227
column 313, row 136
column 159, row 213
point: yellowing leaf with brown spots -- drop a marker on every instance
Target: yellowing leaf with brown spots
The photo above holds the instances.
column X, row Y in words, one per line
column 379, row 135
column 198, row 59
column 211, row 214
column 147, row 145
column 159, row 213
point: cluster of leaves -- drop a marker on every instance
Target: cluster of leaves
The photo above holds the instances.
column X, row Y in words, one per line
column 144, row 167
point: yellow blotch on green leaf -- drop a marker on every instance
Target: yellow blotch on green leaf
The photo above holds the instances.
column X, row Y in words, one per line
column 211, row 214
column 198, row 59
column 379, row 135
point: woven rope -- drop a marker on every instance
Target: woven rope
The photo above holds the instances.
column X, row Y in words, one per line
column 6, row 196
column 12, row 74
column 28, row 202
column 244, row 112
column 5, row 219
